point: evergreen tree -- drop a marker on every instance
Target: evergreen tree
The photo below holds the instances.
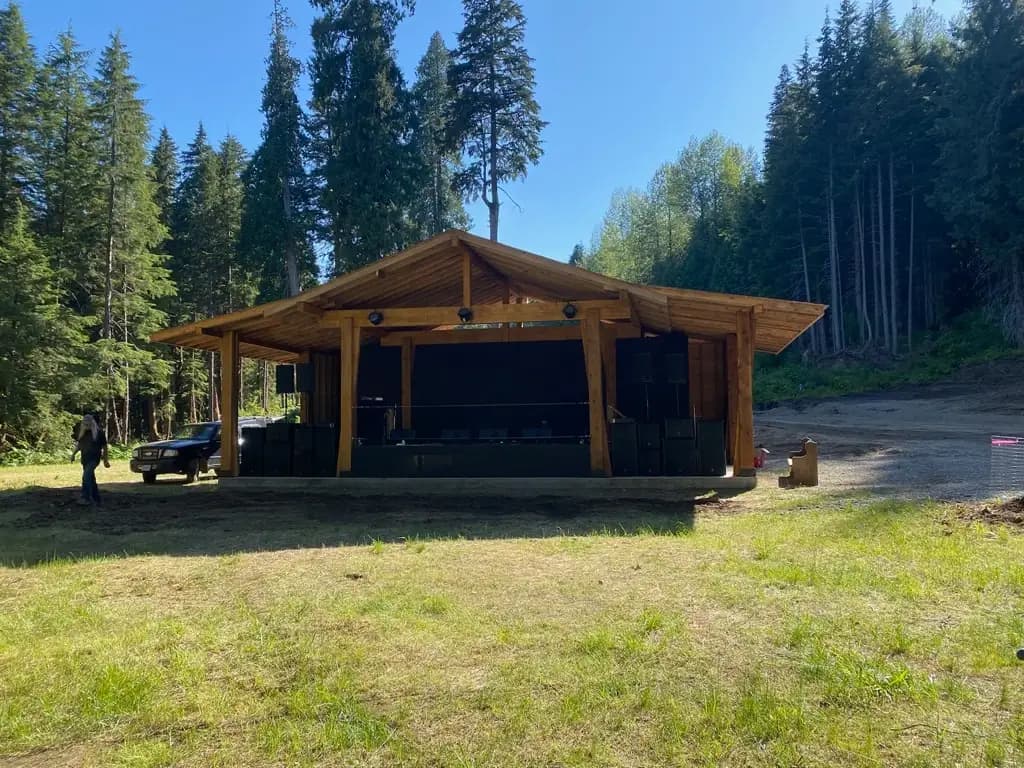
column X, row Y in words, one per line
column 35, row 342
column 134, row 277
column 235, row 287
column 982, row 170
column 438, row 206
column 278, row 215
column 365, row 166
column 68, row 190
column 496, row 119
column 195, row 230
column 17, row 71
column 164, row 162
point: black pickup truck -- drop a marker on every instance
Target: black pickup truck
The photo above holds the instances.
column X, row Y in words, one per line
column 187, row 453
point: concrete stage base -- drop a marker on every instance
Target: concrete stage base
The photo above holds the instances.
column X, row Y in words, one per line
column 657, row 488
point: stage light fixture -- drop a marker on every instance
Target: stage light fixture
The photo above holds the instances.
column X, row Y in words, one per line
column 569, row 310
column 465, row 314
column 376, row 318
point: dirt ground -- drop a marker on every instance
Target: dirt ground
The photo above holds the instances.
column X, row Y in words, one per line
column 923, row 441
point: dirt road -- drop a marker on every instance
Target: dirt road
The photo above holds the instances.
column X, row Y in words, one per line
column 928, row 441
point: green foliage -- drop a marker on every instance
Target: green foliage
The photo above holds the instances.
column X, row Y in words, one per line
column 971, row 339
column 437, row 206
column 495, row 118
column 365, row 167
column 278, row 211
column 17, row 70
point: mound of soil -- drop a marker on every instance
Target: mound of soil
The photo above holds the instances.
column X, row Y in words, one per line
column 1008, row 512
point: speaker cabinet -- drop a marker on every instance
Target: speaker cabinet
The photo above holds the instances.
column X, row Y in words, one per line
column 250, row 459
column 711, row 447
column 649, row 437
column 304, row 378
column 679, row 429
column 681, row 457
column 303, row 451
column 642, row 367
column 649, row 462
column 285, row 379
column 277, row 453
column 623, row 438
column 677, row 369
column 325, row 451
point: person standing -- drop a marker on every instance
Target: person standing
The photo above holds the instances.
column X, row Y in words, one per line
column 92, row 444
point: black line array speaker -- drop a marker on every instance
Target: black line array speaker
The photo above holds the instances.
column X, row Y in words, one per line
column 711, row 446
column 648, row 436
column 623, row 437
column 303, row 457
column 681, row 457
column 285, row 379
column 649, row 462
column 679, row 429
column 643, row 367
column 304, row 377
column 277, row 453
column 676, row 368
column 250, row 459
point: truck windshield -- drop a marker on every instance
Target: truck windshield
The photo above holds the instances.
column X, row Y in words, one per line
column 196, row 432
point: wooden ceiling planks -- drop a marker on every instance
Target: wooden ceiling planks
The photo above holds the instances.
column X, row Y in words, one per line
column 429, row 274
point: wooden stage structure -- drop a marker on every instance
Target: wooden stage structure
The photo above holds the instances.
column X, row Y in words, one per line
column 459, row 289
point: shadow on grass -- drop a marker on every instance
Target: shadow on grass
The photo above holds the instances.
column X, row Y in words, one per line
column 39, row 525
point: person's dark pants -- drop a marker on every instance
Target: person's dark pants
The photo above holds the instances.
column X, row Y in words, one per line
column 90, row 489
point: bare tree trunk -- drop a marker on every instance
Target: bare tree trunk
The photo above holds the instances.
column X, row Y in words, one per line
column 892, row 256
column 866, row 332
column 837, row 344
column 883, row 297
column 291, row 262
column 494, row 205
column 265, row 387
column 807, row 278
column 876, row 279
column 910, row 274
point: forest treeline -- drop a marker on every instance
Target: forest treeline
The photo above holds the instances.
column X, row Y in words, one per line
column 107, row 235
column 891, row 185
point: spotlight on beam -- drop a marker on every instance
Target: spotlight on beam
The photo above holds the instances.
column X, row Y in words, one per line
column 375, row 318
column 465, row 314
column 569, row 310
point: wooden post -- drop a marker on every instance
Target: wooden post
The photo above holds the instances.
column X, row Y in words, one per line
column 229, row 372
column 349, row 342
column 467, row 279
column 743, row 454
column 600, row 463
column 408, row 356
column 732, row 390
column 609, row 335
column 305, row 398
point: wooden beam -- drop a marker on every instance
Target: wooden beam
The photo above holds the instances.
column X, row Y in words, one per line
column 408, row 358
column 348, row 342
column 467, row 278
column 732, row 388
column 600, row 463
column 609, row 337
column 229, row 374
column 538, row 311
column 305, row 398
column 743, row 454
column 458, row 335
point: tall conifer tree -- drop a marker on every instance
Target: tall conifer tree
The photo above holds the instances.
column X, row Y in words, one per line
column 496, row 119
column 17, row 71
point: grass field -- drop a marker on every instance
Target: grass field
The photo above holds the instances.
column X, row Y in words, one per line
column 771, row 629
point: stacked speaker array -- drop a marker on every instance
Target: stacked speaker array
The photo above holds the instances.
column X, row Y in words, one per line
column 290, row 379
column 289, row 450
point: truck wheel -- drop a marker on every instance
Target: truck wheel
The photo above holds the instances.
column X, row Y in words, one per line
column 149, row 477
column 192, row 472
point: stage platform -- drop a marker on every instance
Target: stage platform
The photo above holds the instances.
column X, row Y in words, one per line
column 655, row 488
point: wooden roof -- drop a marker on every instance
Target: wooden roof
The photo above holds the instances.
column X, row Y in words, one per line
column 430, row 274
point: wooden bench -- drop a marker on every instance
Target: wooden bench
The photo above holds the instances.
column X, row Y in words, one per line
column 803, row 467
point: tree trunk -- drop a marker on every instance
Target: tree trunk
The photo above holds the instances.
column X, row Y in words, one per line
column 494, row 205
column 866, row 331
column 836, row 308
column 807, row 277
column 876, row 280
column 884, row 295
column 214, row 416
column 910, row 273
column 291, row 262
column 892, row 257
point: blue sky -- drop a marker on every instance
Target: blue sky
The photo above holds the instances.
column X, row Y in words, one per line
column 624, row 85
